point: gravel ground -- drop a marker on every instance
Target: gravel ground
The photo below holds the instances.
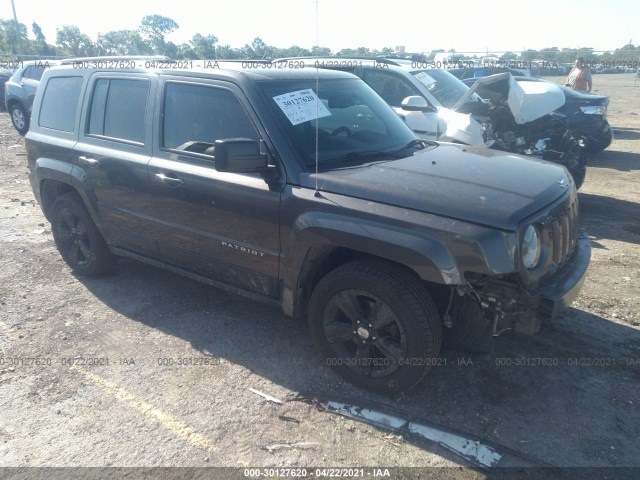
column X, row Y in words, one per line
column 93, row 373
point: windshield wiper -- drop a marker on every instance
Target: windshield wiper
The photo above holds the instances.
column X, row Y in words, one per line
column 413, row 143
column 370, row 154
column 384, row 153
column 356, row 156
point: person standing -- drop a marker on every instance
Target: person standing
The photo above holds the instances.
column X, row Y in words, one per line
column 580, row 76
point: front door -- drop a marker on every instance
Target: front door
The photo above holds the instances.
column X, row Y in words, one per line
column 221, row 225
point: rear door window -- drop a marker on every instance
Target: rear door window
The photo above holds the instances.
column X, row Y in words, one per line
column 118, row 109
column 390, row 86
column 34, row 72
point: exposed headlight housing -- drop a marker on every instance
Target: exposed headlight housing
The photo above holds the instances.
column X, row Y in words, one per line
column 531, row 247
column 594, row 110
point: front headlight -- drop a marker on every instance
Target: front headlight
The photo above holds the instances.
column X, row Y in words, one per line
column 531, row 247
column 594, row 110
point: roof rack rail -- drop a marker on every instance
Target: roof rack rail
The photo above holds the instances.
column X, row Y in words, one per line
column 379, row 59
column 238, row 60
column 115, row 58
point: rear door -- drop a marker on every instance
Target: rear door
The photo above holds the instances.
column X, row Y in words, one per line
column 114, row 149
column 221, row 225
column 29, row 82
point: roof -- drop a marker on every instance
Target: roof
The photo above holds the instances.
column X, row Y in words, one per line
column 254, row 70
column 43, row 61
column 115, row 58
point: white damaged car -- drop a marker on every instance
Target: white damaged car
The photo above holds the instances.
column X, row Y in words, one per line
column 512, row 116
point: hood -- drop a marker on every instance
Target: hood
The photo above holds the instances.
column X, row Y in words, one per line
column 473, row 184
column 527, row 101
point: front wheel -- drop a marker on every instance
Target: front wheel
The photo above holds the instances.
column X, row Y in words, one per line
column 78, row 239
column 375, row 325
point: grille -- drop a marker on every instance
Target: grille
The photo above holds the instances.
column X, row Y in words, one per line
column 564, row 233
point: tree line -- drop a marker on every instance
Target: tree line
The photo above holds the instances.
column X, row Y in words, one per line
column 151, row 39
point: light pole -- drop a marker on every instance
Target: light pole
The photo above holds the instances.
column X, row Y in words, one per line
column 15, row 20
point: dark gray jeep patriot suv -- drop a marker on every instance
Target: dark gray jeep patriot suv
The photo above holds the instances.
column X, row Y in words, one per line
column 304, row 189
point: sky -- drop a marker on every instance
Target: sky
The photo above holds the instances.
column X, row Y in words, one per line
column 419, row 25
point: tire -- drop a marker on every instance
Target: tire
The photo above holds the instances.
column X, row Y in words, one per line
column 471, row 331
column 567, row 151
column 577, row 165
column 19, row 118
column 397, row 328
column 596, row 145
column 579, row 172
column 78, row 239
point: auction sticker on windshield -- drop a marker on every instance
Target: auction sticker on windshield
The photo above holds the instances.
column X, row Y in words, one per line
column 425, row 78
column 301, row 106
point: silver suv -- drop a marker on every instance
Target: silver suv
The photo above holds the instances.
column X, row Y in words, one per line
column 20, row 90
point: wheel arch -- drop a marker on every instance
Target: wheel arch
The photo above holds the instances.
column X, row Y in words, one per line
column 10, row 102
column 50, row 190
column 54, row 178
column 320, row 250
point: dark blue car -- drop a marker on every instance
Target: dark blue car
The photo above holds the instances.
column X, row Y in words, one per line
column 585, row 113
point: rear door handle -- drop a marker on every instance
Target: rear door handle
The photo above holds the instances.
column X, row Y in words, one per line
column 90, row 162
column 171, row 181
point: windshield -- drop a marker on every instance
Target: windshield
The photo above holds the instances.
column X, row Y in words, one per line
column 354, row 123
column 444, row 86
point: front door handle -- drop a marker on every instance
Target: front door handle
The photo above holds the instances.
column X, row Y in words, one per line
column 88, row 161
column 171, row 181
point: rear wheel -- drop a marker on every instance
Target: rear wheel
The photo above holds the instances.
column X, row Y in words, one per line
column 375, row 325
column 602, row 141
column 567, row 151
column 579, row 172
column 77, row 237
column 19, row 118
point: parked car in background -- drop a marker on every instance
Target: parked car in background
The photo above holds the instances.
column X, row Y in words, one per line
column 585, row 114
column 5, row 75
column 20, row 90
column 468, row 73
column 438, row 106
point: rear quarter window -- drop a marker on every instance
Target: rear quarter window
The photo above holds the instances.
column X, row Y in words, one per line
column 60, row 103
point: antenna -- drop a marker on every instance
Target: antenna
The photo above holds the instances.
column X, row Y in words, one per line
column 317, row 193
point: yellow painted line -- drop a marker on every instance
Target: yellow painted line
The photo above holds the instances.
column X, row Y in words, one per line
column 170, row 422
column 6, row 328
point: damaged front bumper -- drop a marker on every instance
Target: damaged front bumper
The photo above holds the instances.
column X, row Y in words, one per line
column 524, row 312
column 557, row 294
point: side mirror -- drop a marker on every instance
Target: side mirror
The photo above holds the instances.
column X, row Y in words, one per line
column 416, row 103
column 240, row 155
